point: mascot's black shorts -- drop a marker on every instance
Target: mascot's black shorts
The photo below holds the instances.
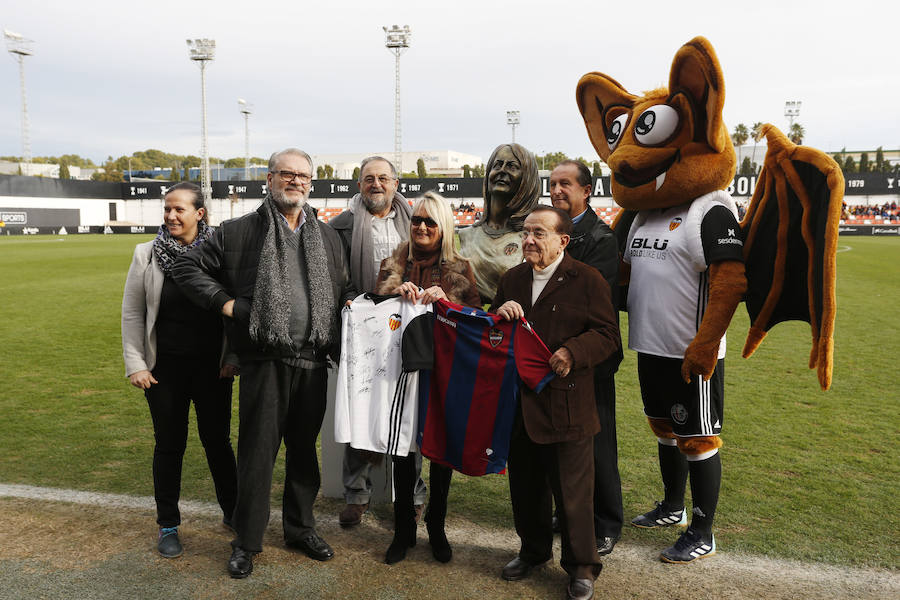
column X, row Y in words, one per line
column 694, row 409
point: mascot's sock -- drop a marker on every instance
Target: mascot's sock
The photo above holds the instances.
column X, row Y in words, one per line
column 674, row 469
column 706, row 475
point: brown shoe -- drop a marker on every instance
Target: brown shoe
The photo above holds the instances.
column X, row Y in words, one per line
column 352, row 514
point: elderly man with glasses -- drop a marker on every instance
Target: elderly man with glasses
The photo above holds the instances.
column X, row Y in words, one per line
column 375, row 223
column 280, row 278
column 551, row 448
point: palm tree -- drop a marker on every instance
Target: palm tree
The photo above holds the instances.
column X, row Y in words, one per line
column 740, row 135
column 797, row 133
column 756, row 132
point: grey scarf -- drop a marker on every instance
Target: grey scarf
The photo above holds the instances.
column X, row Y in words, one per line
column 270, row 314
column 362, row 247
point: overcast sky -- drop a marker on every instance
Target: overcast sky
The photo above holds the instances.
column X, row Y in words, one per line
column 112, row 77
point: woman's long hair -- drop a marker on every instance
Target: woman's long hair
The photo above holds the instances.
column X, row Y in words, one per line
column 437, row 207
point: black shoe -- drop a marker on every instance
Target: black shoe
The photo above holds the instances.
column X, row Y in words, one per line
column 168, row 543
column 240, row 565
column 661, row 516
column 689, row 547
column 440, row 547
column 606, row 544
column 313, row 546
column 517, row 569
column 580, row 589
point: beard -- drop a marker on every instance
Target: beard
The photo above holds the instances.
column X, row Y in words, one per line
column 285, row 203
column 374, row 206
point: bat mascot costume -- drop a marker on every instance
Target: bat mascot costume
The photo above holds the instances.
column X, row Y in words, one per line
column 688, row 263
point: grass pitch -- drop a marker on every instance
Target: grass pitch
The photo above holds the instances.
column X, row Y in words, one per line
column 808, row 475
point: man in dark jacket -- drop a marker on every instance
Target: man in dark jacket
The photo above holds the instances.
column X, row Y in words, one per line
column 279, row 276
column 551, row 448
column 594, row 244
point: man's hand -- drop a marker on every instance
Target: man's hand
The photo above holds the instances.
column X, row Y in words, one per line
column 511, row 310
column 228, row 371
column 228, row 309
column 142, row 379
column 561, row 362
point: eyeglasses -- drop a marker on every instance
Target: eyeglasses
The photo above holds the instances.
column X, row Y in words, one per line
column 429, row 222
column 538, row 234
column 382, row 179
column 289, row 176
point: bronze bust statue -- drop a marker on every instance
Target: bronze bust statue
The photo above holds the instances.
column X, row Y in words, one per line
column 511, row 190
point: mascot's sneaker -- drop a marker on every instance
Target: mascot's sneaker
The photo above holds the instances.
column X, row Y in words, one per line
column 661, row 517
column 689, row 547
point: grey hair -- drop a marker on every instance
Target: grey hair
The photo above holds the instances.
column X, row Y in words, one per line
column 368, row 159
column 273, row 160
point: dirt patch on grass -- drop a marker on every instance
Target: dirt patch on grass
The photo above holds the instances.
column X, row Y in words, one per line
column 107, row 550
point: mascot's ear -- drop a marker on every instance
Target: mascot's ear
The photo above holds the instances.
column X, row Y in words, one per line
column 696, row 73
column 600, row 97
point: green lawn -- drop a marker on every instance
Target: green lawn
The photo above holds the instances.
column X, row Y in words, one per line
column 807, row 474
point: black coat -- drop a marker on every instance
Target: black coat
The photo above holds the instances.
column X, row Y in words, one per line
column 225, row 267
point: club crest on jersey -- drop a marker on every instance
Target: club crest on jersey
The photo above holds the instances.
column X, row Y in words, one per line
column 511, row 249
column 394, row 321
column 679, row 414
column 674, row 223
column 495, row 336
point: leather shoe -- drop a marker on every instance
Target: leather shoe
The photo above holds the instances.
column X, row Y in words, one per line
column 313, row 546
column 580, row 589
column 517, row 569
column 240, row 565
column 352, row 514
column 605, row 545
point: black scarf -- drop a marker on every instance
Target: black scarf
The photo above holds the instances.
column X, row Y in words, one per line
column 167, row 249
column 270, row 313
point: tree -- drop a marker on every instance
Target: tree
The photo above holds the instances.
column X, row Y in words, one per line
column 110, row 172
column 849, row 165
column 467, row 171
column 879, row 160
column 741, row 135
column 420, row 168
column 747, row 167
column 355, row 173
column 320, row 172
column 234, row 163
column 864, row 166
column 756, row 132
column 329, row 171
column 64, row 171
column 549, row 161
column 478, row 171
column 596, row 172
column 797, row 133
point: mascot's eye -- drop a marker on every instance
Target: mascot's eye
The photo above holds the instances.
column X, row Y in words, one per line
column 614, row 133
column 656, row 124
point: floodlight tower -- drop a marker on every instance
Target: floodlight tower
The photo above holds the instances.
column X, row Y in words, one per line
column 397, row 40
column 20, row 47
column 512, row 119
column 203, row 51
column 791, row 111
column 246, row 108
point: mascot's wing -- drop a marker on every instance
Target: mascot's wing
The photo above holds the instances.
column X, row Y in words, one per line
column 790, row 232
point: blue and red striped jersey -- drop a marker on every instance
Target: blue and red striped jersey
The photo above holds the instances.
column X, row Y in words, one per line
column 470, row 365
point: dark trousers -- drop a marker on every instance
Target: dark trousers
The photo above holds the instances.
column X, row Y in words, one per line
column 563, row 471
column 608, row 514
column 278, row 401
column 181, row 380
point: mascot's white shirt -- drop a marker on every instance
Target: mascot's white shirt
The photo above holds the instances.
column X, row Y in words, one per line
column 375, row 405
column 669, row 286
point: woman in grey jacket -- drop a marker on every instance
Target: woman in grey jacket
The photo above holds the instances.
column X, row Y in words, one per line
column 173, row 351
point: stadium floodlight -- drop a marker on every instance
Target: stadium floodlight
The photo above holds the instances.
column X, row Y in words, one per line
column 396, row 40
column 246, row 108
column 19, row 47
column 202, row 51
column 512, row 119
column 792, row 111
